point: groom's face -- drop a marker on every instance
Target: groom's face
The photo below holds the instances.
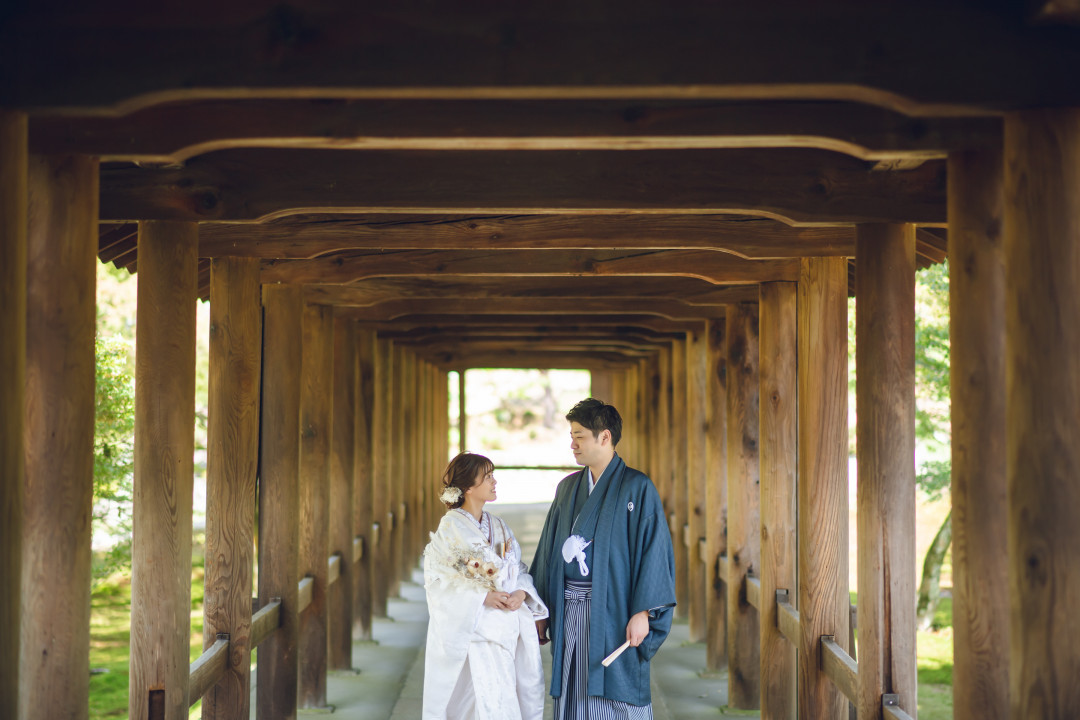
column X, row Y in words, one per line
column 587, row 448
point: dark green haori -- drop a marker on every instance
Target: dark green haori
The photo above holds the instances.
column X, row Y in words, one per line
column 631, row 567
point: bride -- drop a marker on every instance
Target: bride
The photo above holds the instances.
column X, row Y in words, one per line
column 483, row 653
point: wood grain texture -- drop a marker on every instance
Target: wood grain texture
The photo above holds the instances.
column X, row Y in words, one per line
column 380, row 500
column 279, row 496
column 716, row 494
column 399, row 443
column 316, row 418
column 697, row 398
column 744, row 513
column 231, row 470
column 14, row 180
column 342, row 488
column 822, row 495
column 680, row 502
column 57, row 434
column 885, row 407
column 977, row 390
column 798, row 185
column 663, row 479
column 164, row 467
column 779, row 457
column 1042, row 344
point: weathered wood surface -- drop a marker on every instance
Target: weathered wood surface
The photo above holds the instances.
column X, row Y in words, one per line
column 840, row 668
column 680, row 450
column 822, row 493
column 977, row 389
column 716, row 494
column 231, row 467
column 58, row 433
column 364, row 507
column 798, row 185
column 969, row 57
column 342, row 488
column 14, row 179
column 380, row 508
column 530, row 323
column 711, row 266
column 777, row 324
column 316, row 418
column 400, row 480
column 207, row 669
column 885, row 407
column 301, row 237
column 264, row 622
column 279, row 496
column 164, row 467
column 697, row 428
column 788, row 619
column 744, row 509
column 177, row 132
column 1042, row 344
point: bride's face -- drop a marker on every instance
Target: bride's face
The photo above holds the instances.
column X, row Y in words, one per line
column 483, row 488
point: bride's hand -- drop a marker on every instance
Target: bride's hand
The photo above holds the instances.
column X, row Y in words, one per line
column 516, row 598
column 497, row 600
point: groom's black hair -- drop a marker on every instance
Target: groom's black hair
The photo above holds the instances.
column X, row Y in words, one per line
column 597, row 416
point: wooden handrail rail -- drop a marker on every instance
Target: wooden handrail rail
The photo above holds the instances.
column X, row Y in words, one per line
column 207, row 669
column 722, row 569
column 890, row 707
column 303, row 595
column 357, row 548
column 333, row 569
column 839, row 667
column 703, row 550
column 265, row 622
column 787, row 618
column 753, row 591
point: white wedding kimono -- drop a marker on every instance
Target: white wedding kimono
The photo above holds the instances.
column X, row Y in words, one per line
column 481, row 662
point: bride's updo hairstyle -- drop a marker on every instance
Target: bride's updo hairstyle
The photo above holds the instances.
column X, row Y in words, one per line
column 460, row 475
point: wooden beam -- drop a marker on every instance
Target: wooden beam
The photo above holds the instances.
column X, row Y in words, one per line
column 342, row 489
column 885, row 407
column 614, row 322
column 779, row 459
column 364, row 484
column 57, row 429
column 310, row 236
column 797, row 185
column 382, row 513
column 264, row 622
column 679, row 500
column 697, row 397
column 711, row 266
column 1042, row 344
column 164, row 466
column 231, row 469
column 279, row 496
column 395, row 309
column 823, row 600
column 174, row 133
column 840, row 667
column 398, row 474
column 977, row 389
column 744, row 509
column 970, row 57
column 208, row 669
column 716, row 494
column 14, row 178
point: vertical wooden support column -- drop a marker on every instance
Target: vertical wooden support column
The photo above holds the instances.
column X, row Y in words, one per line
column 977, row 373
column 398, row 478
column 644, row 414
column 697, row 398
column 364, row 513
column 743, row 530
column 463, row 413
column 1042, row 342
column 824, row 604
column 316, row 378
column 678, row 481
column 279, row 497
column 58, row 434
column 779, row 464
column 164, row 466
column 885, row 405
column 601, row 385
column 383, row 517
column 13, row 208
column 716, row 494
column 392, row 478
column 663, row 432
column 232, row 461
column 652, row 404
column 342, row 489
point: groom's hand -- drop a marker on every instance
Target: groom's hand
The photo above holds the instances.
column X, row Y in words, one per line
column 541, row 631
column 637, row 628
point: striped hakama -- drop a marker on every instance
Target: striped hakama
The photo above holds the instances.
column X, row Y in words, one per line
column 575, row 702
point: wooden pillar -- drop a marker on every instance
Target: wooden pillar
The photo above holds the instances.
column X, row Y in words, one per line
column 1042, row 342
column 601, row 385
column 279, row 497
column 342, row 489
column 778, row 356
column 13, row 222
column 824, row 604
column 885, row 406
column 678, row 478
column 58, row 434
column 232, row 450
column 652, row 404
column 316, row 378
column 463, row 413
column 164, row 466
column 743, row 530
column 381, row 513
column 716, row 494
column 364, row 514
column 977, row 374
column 697, row 398
column 663, row 432
column 398, row 445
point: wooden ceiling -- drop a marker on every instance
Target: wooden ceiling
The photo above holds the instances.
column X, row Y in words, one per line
column 554, row 184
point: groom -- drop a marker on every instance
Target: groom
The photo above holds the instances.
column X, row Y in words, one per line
column 606, row 569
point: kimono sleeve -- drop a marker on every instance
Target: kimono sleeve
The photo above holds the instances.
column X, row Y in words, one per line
column 454, row 605
column 654, row 581
column 540, row 569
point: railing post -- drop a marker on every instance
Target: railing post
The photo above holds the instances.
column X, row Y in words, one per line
column 679, row 500
column 716, row 494
column 364, row 586
column 697, row 398
column 342, row 489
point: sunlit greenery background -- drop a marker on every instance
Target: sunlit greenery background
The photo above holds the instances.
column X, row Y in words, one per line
column 515, row 417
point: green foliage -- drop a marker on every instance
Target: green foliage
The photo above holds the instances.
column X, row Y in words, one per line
column 114, row 447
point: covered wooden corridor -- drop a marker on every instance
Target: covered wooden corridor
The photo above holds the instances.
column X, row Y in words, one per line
column 679, row 199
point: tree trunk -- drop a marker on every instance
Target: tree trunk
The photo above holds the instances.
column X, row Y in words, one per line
column 930, row 585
